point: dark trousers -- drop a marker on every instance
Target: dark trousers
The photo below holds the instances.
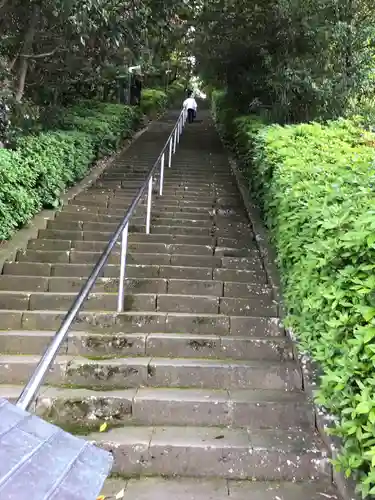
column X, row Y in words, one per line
column 191, row 115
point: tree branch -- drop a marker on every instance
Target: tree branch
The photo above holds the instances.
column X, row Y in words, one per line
column 40, row 56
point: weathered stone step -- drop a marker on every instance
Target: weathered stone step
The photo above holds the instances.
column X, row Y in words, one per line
column 155, row 228
column 241, row 258
column 157, row 488
column 200, row 304
column 227, row 245
column 255, row 274
column 126, row 373
column 135, row 285
column 88, row 409
column 138, row 222
column 176, row 173
column 110, row 270
column 172, row 218
column 219, row 452
column 65, row 240
column 199, row 177
column 158, row 207
column 146, row 322
column 56, row 234
column 142, row 247
column 175, row 201
column 175, row 192
column 95, row 345
column 116, row 216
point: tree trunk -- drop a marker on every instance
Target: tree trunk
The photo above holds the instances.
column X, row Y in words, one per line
column 26, row 49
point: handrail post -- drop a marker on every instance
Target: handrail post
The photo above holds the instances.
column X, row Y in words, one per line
column 170, row 153
column 161, row 175
column 179, row 130
column 148, row 214
column 175, row 140
column 121, row 288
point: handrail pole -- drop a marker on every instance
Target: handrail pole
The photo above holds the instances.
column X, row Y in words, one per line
column 161, row 175
column 31, row 388
column 121, row 287
column 170, row 153
column 178, row 130
column 148, row 214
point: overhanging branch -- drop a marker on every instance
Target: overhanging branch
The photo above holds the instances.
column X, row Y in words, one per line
column 40, row 56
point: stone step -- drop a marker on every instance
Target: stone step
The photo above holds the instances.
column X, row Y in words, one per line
column 201, row 178
column 127, row 373
column 268, row 455
column 173, row 345
column 241, row 258
column 157, row 488
column 135, row 285
column 136, row 222
column 170, row 201
column 200, row 304
column 72, row 235
column 155, row 228
column 110, row 270
column 116, row 216
column 156, row 220
column 144, row 322
column 79, row 257
column 158, row 207
column 229, row 243
column 254, row 275
column 185, row 244
column 174, row 194
column 87, row 409
column 141, row 247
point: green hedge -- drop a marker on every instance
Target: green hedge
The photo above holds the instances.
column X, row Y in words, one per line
column 108, row 124
column 153, row 102
column 316, row 187
column 176, row 94
column 42, row 165
column 35, row 174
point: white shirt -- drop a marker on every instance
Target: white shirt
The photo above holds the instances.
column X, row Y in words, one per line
column 190, row 103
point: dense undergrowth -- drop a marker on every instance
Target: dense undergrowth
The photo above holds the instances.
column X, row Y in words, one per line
column 60, row 148
column 315, row 185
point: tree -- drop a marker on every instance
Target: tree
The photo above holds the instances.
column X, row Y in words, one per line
column 50, row 47
column 304, row 58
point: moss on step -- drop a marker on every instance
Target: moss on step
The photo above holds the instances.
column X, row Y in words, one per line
column 128, row 302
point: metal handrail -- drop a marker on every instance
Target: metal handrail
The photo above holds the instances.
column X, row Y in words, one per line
column 30, row 390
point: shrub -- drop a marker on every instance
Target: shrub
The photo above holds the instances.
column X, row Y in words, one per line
column 175, row 93
column 316, row 186
column 153, row 102
column 37, row 172
column 108, row 124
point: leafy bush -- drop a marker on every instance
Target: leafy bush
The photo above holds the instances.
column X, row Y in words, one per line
column 175, row 93
column 316, row 187
column 108, row 124
column 153, row 102
column 37, row 172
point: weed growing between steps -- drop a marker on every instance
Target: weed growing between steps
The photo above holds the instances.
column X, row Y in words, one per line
column 315, row 185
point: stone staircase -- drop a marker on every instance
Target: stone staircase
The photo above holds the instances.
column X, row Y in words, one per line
column 197, row 377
